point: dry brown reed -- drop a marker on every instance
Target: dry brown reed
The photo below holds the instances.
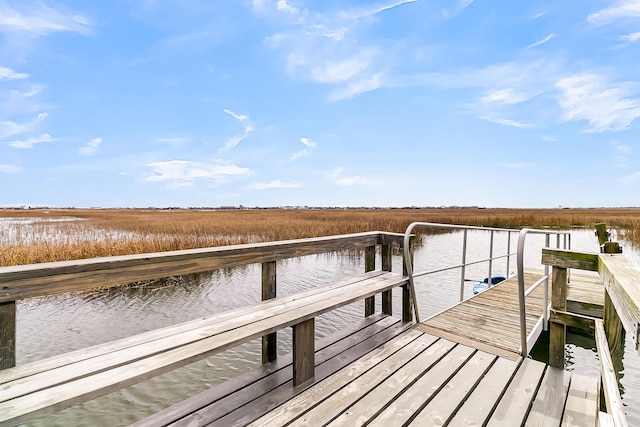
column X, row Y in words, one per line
column 120, row 232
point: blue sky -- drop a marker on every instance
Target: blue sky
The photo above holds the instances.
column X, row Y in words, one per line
column 135, row 103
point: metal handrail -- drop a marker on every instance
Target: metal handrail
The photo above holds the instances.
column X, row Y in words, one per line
column 409, row 265
column 522, row 293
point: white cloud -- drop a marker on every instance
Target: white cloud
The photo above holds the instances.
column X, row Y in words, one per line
column 9, row 74
column 456, row 9
column 302, row 153
column 358, row 87
column 505, row 96
column 10, row 168
column 631, row 38
column 549, row 138
column 248, row 128
column 283, row 5
column 273, row 184
column 507, row 122
column 543, row 41
column 590, row 97
column 185, row 172
column 340, row 71
column 308, row 142
column 91, row 147
column 31, row 142
column 621, row 9
column 237, row 116
column 9, row 128
column 38, row 19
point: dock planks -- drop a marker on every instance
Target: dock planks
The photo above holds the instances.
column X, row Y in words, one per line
column 490, row 320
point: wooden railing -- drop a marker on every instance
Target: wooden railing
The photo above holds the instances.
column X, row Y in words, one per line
column 621, row 313
column 36, row 280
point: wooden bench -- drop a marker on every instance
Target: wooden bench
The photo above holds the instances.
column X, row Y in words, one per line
column 35, row 389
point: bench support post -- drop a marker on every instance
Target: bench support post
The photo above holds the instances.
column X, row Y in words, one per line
column 270, row 341
column 407, row 302
column 7, row 334
column 557, row 331
column 387, row 266
column 369, row 265
column 304, row 352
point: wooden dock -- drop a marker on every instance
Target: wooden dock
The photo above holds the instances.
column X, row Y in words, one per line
column 490, row 320
column 461, row 367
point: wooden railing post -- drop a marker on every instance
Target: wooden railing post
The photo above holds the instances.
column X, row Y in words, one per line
column 387, row 265
column 407, row 302
column 7, row 334
column 270, row 341
column 369, row 265
column 557, row 331
column 304, row 352
column 615, row 332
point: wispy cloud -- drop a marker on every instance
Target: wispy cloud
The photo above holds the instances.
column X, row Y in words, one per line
column 185, row 172
column 9, row 74
column 549, row 138
column 38, row 19
column 590, row 97
column 10, row 168
column 344, row 181
column 91, row 147
column 631, row 38
column 301, row 153
column 28, row 143
column 621, row 9
column 505, row 96
column 456, row 9
column 543, row 41
column 506, row 122
column 9, row 128
column 248, row 128
column 304, row 152
column 325, row 47
column 308, row 142
column 273, row 184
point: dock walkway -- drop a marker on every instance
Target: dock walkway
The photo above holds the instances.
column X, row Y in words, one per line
column 397, row 375
column 490, row 320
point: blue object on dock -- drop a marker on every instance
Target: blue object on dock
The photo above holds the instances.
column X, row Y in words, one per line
column 484, row 285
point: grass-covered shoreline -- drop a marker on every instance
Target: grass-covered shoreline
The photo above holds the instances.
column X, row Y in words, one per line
column 107, row 232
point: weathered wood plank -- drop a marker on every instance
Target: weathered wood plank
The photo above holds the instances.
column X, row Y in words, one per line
column 442, row 407
column 478, row 406
column 570, row 259
column 376, row 400
column 407, row 343
column 423, row 390
column 244, row 409
column 369, row 265
column 609, row 378
column 548, row 405
column 583, row 401
column 18, row 282
column 557, row 331
column 7, row 334
column 269, row 291
column 572, row 319
column 66, row 394
column 387, row 265
column 520, row 392
column 250, row 385
column 620, row 277
column 304, row 352
column 101, row 349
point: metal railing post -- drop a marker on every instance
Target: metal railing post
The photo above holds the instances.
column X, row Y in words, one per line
column 523, row 314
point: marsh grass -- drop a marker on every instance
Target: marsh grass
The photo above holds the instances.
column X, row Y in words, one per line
column 120, row 232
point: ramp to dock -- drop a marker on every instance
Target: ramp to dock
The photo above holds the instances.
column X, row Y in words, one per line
column 490, row 321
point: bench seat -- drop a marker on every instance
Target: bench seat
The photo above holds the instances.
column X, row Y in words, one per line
column 50, row 385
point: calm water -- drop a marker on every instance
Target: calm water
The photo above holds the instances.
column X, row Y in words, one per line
column 53, row 325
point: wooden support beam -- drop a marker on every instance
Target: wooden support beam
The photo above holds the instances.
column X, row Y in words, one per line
column 557, row 331
column 620, row 276
column 570, row 259
column 609, row 378
column 304, row 352
column 269, row 290
column 387, row 265
column 7, row 334
column 369, row 265
column 572, row 319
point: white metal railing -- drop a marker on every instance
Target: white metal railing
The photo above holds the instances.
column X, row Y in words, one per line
column 522, row 293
